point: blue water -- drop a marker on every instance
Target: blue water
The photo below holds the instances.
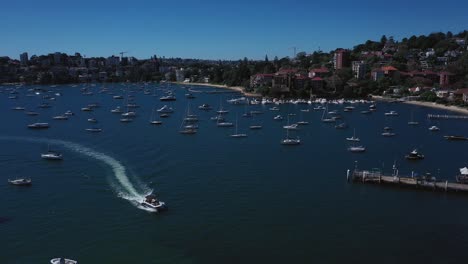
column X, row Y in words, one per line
column 230, row 200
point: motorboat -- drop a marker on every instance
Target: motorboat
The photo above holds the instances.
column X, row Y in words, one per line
column 51, row 155
column 126, row 120
column 63, row 261
column 365, row 112
column 455, row 138
column 60, row 117
column 291, row 127
column 165, row 109
column 388, row 134
column 225, row 124
column 153, row 203
column 356, row 149
column 94, row 129
column 117, row 110
column 414, row 155
column 39, row 126
column 290, row 141
column 164, row 115
column 278, row 117
column 168, row 98
column 188, row 131
column 20, row 182
column 117, row 97
column 434, row 128
column 87, row 109
column 391, row 113
column 189, row 96
column 128, row 114
column 205, row 107
column 92, row 120
column 156, row 122
column 18, row 108
column 341, row 126
column 302, row 123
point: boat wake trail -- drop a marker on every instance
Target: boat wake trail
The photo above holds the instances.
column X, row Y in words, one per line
column 125, row 189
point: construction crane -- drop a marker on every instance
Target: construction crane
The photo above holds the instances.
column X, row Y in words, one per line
column 122, row 53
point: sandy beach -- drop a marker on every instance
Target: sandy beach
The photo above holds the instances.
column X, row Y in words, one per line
column 428, row 104
column 233, row 88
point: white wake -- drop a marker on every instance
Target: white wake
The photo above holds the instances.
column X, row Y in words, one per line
column 125, row 188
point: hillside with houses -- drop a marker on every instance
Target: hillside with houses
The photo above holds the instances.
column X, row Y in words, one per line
column 430, row 68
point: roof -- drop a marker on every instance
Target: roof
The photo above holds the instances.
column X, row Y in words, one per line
column 320, row 70
column 389, row 68
column 317, row 79
column 461, row 91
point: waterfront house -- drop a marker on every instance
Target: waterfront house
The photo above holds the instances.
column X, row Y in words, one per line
column 319, row 72
column 461, row 94
column 261, row 79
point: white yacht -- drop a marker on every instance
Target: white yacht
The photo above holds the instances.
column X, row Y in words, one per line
column 353, row 138
column 356, row 149
column 39, row 126
column 51, row 155
column 434, row 128
column 63, row 261
column 278, row 117
column 290, row 141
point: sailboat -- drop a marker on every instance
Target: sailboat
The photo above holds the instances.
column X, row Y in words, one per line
column 302, row 122
column 237, row 135
column 152, row 121
column 187, row 127
column 255, row 125
column 353, row 138
column 412, row 122
column 327, row 119
column 221, row 111
column 51, row 155
column 290, row 141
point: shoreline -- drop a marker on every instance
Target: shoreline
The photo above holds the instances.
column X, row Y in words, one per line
column 433, row 105
column 232, row 88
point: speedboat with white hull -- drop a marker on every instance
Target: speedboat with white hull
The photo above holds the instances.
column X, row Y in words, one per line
column 153, row 203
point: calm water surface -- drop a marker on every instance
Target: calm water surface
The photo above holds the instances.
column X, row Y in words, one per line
column 231, row 200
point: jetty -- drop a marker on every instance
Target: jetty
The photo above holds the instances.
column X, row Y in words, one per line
column 415, row 182
column 456, row 117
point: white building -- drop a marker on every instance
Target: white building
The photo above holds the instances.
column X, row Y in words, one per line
column 359, row 69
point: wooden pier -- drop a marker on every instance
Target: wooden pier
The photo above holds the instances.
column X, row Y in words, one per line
column 363, row 176
column 456, row 117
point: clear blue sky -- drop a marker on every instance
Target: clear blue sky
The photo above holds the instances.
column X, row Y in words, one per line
column 214, row 29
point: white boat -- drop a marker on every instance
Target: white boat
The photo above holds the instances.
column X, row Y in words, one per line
column 205, row 107
column 87, row 109
column 60, row 117
column 388, row 134
column 275, row 108
column 353, row 138
column 412, row 122
column 63, row 261
column 434, row 128
column 117, row 110
column 126, row 120
column 18, row 108
column 39, row 126
column 117, row 97
column 51, row 155
column 237, row 134
column 69, row 113
column 165, row 109
column 167, row 98
column 290, row 141
column 391, row 113
column 94, row 129
column 187, row 122
column 92, row 120
column 278, row 117
column 414, row 155
column 255, row 127
column 30, row 113
column 20, row 182
column 153, row 121
column 153, row 203
column 225, row 124
column 356, row 149
column 291, row 127
column 128, row 114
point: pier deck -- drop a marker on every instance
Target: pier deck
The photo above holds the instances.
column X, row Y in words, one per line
column 412, row 182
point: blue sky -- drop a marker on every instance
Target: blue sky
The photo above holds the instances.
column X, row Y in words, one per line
column 214, row 29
